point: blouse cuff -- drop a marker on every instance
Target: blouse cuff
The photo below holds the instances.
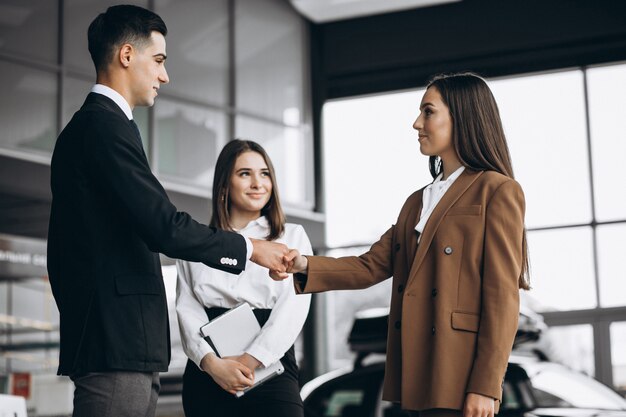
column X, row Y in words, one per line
column 262, row 355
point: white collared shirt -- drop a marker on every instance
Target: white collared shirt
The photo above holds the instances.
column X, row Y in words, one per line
column 115, row 96
column 200, row 286
column 431, row 196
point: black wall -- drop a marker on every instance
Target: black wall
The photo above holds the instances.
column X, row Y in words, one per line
column 493, row 37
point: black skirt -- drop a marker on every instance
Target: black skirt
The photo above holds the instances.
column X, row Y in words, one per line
column 277, row 397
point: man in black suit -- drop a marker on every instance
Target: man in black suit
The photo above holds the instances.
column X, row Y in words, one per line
column 111, row 217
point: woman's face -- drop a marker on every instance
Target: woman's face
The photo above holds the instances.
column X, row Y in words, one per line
column 434, row 125
column 250, row 184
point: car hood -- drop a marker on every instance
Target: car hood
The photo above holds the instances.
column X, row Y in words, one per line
column 575, row 412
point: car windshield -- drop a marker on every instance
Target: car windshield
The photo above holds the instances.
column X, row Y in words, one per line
column 560, row 387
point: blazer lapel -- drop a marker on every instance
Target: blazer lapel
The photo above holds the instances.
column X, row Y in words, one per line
column 455, row 191
column 410, row 234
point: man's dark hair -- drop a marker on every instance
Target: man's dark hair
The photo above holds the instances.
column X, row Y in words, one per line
column 117, row 26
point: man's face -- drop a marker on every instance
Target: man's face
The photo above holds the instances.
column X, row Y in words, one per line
column 147, row 71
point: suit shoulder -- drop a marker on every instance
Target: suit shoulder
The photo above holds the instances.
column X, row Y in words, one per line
column 499, row 185
column 100, row 116
column 497, row 179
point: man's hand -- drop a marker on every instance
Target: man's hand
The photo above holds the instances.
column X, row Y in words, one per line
column 294, row 263
column 477, row 405
column 228, row 373
column 270, row 255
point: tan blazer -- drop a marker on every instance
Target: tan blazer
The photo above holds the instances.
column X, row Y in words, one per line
column 455, row 298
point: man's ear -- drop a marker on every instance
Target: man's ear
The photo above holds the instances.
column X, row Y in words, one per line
column 125, row 55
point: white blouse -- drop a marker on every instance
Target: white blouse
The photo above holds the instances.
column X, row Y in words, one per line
column 432, row 195
column 199, row 286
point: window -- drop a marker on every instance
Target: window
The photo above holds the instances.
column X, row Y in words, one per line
column 25, row 20
column 562, row 259
column 28, row 107
column 197, row 48
column 544, row 120
column 188, row 140
column 618, row 351
column 371, row 161
column 270, row 68
column 611, row 244
column 290, row 151
column 607, row 89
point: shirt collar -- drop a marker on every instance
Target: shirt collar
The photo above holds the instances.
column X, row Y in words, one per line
column 450, row 178
column 115, row 96
column 261, row 221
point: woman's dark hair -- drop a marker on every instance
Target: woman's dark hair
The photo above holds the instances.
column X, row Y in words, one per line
column 224, row 168
column 120, row 25
column 477, row 133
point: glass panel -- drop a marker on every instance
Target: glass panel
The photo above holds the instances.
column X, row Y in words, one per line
column 561, row 259
column 572, row 346
column 544, row 120
column 290, row 150
column 78, row 15
column 389, row 166
column 29, row 28
column 618, row 353
column 76, row 90
column 188, row 140
column 74, row 93
column 611, row 244
column 607, row 114
column 197, row 48
column 35, row 329
column 270, row 59
column 28, row 102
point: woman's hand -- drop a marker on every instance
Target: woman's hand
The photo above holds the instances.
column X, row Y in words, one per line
column 294, row 263
column 228, row 373
column 248, row 361
column 477, row 405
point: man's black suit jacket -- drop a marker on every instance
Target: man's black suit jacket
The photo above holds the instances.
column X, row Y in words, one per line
column 110, row 218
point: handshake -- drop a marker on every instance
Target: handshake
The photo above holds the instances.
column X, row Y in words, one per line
column 278, row 258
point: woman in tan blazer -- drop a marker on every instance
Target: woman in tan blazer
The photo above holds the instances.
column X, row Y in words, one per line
column 457, row 255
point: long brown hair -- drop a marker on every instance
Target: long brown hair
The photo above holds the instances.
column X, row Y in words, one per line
column 477, row 134
column 224, row 168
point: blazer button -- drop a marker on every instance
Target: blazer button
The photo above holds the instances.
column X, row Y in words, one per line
column 434, row 292
column 397, row 247
column 433, row 330
column 400, row 288
column 448, row 250
column 397, row 325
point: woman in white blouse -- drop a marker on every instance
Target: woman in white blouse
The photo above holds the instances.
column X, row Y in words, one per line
column 245, row 199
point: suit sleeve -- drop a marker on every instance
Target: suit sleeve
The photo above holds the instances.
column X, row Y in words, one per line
column 500, row 289
column 350, row 272
column 120, row 166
